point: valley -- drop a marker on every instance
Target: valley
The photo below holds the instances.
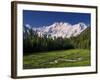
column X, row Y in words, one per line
column 55, row 46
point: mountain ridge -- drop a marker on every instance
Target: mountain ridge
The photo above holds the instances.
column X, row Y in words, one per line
column 57, row 29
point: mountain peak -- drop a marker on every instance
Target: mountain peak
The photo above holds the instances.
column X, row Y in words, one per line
column 82, row 25
column 61, row 23
column 28, row 26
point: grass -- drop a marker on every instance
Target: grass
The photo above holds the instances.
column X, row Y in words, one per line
column 56, row 59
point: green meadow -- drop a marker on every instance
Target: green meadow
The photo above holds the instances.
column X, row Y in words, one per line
column 57, row 59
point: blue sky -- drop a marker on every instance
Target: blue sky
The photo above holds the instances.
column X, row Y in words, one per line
column 46, row 18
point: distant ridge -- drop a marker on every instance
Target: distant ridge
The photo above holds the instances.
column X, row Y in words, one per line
column 57, row 29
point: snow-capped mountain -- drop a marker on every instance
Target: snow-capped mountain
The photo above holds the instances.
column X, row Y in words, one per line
column 57, row 29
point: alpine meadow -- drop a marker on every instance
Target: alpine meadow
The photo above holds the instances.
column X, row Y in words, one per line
column 56, row 39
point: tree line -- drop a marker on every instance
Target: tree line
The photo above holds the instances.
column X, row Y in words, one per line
column 33, row 43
